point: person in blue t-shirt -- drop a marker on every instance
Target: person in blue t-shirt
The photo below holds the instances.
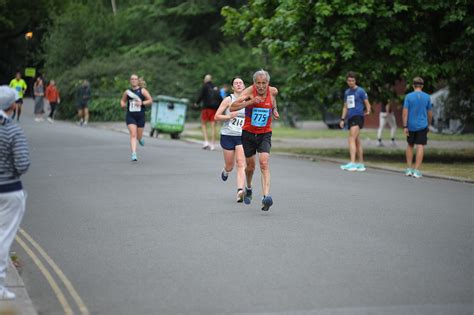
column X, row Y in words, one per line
column 356, row 106
column 417, row 116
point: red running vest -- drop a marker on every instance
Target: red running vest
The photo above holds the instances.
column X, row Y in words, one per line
column 258, row 117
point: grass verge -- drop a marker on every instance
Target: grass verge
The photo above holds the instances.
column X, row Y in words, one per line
column 454, row 163
column 287, row 132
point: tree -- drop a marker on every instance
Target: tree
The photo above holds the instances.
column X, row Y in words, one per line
column 17, row 17
column 381, row 40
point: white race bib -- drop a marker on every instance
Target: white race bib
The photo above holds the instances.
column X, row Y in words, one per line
column 351, row 101
column 133, row 106
column 237, row 121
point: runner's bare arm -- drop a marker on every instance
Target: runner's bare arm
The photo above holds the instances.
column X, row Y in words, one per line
column 343, row 115
column 405, row 121
column 367, row 107
column 274, row 93
column 219, row 116
column 243, row 100
column 123, row 100
column 148, row 99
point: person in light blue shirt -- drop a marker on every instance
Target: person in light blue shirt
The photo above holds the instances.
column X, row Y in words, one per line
column 356, row 106
column 417, row 116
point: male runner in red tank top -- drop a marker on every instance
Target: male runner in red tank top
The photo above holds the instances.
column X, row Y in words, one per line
column 259, row 101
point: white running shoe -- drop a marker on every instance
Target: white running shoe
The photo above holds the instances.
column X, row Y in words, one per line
column 360, row 167
column 351, row 167
column 240, row 195
column 6, row 294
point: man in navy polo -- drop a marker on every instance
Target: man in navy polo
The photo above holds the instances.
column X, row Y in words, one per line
column 356, row 106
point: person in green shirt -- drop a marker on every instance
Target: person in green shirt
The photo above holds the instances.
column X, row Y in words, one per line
column 20, row 86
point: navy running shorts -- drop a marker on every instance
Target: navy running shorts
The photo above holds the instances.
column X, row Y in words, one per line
column 230, row 142
column 137, row 119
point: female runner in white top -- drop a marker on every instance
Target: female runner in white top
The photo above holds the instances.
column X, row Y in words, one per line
column 231, row 136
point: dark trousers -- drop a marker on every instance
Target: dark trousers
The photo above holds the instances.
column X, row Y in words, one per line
column 53, row 108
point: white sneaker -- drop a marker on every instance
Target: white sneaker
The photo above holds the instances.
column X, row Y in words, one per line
column 6, row 294
column 205, row 145
column 212, row 148
column 50, row 120
column 37, row 119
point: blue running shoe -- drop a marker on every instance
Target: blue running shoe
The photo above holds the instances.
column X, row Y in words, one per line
column 349, row 167
column 416, row 174
column 224, row 175
column 408, row 172
column 134, row 157
column 141, row 142
column 248, row 196
column 360, row 167
column 267, row 202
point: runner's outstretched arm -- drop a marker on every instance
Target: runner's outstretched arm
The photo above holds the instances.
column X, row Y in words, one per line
column 243, row 100
column 219, row 116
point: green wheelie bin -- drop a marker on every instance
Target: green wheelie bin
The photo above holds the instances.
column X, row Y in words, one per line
column 168, row 115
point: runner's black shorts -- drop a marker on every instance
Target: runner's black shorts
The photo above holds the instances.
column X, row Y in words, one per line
column 137, row 119
column 254, row 143
column 418, row 137
column 19, row 101
column 356, row 121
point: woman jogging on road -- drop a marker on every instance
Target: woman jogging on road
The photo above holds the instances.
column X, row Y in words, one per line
column 231, row 136
column 134, row 101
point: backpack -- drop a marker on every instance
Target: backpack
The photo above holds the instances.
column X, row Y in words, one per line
column 216, row 97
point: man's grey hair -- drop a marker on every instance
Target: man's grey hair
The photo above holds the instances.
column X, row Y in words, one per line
column 259, row 73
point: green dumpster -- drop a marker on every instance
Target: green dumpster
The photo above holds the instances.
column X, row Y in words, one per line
column 168, row 115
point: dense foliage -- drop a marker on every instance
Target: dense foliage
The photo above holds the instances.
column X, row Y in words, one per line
column 383, row 41
column 172, row 44
column 307, row 46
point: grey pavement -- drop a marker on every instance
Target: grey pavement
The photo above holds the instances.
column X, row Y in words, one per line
column 164, row 235
column 22, row 305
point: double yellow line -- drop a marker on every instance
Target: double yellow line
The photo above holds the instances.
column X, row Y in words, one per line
column 52, row 282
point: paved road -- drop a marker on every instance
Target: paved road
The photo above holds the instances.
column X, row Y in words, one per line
column 163, row 236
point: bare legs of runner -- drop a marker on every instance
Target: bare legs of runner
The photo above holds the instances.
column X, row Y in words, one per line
column 263, row 159
column 355, row 145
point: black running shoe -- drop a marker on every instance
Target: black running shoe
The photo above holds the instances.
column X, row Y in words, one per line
column 224, row 175
column 267, row 202
column 248, row 196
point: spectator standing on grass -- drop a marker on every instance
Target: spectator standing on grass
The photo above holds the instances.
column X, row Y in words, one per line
column 387, row 116
column 417, row 116
column 356, row 106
